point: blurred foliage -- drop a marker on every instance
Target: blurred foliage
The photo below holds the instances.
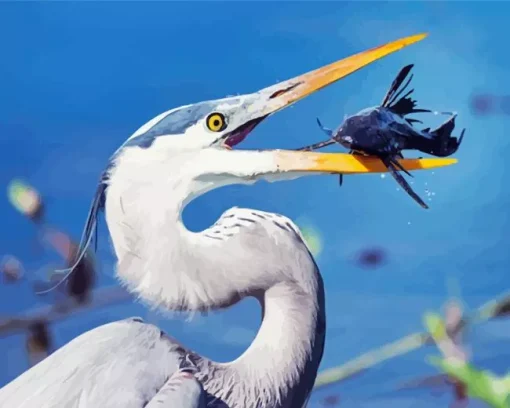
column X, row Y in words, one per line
column 25, row 199
column 481, row 384
column 312, row 237
column 489, row 104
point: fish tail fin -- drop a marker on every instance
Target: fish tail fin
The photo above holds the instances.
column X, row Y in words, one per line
column 445, row 143
column 444, row 131
column 439, row 142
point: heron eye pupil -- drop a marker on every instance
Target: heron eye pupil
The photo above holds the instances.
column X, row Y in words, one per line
column 216, row 122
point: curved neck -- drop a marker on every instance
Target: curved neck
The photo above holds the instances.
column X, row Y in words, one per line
column 173, row 268
column 280, row 366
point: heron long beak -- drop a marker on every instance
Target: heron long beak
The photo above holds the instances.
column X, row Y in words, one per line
column 283, row 94
column 276, row 97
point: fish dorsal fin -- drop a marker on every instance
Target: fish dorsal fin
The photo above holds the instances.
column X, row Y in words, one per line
column 401, row 105
column 392, row 93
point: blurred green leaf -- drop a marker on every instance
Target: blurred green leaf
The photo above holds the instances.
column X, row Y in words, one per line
column 435, row 326
column 480, row 384
column 312, row 237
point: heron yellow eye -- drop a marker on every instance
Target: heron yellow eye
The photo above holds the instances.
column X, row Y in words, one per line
column 216, row 122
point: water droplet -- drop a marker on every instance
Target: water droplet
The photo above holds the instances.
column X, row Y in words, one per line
column 408, row 222
column 398, row 189
column 432, row 173
column 426, row 183
column 383, row 175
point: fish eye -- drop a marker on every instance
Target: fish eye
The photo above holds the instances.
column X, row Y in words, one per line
column 216, row 122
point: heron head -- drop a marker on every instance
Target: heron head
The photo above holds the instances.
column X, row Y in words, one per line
column 226, row 122
column 192, row 140
column 217, row 123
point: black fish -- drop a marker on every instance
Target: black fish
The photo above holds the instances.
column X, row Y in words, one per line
column 385, row 131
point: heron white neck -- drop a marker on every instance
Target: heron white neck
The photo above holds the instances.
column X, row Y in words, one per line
column 176, row 269
column 279, row 368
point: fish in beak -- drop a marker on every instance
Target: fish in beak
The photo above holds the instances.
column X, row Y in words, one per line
column 386, row 130
column 277, row 97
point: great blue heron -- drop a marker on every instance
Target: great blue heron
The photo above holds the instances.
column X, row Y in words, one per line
column 168, row 162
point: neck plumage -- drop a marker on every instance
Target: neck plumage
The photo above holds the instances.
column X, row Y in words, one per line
column 175, row 269
column 279, row 367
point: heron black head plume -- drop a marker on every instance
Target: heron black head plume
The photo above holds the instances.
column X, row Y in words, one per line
column 89, row 230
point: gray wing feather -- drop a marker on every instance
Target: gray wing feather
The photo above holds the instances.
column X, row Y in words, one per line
column 121, row 364
column 182, row 390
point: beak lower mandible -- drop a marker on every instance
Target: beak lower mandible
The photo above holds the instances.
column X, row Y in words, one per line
column 342, row 163
column 283, row 94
